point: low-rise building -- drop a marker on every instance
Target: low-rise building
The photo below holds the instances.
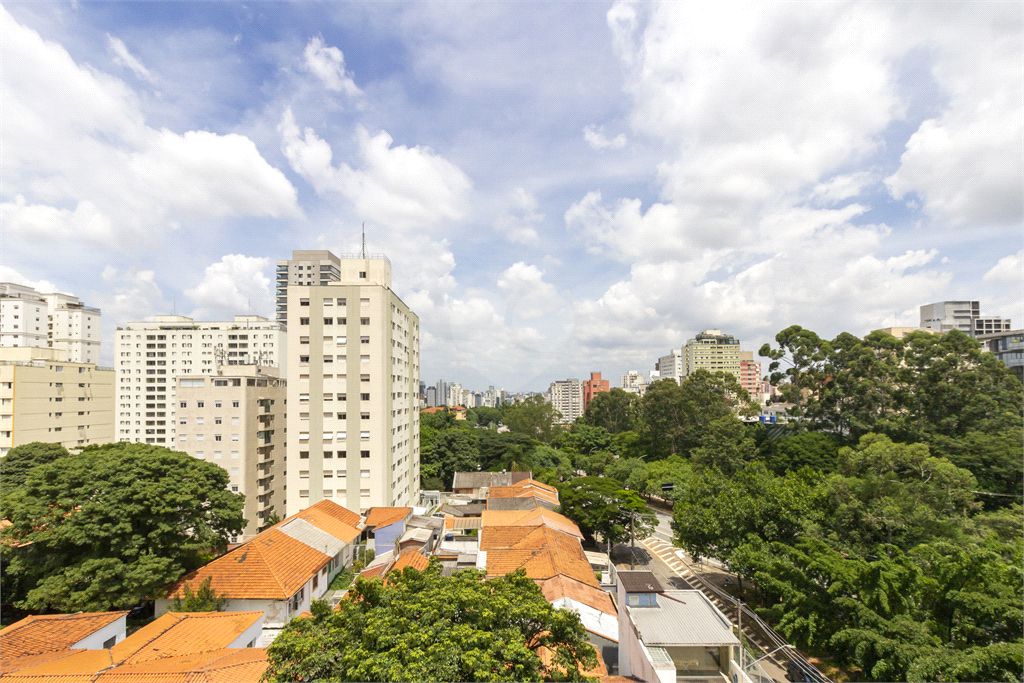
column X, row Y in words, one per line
column 44, row 397
column 384, row 526
column 280, row 571
column 1008, row 347
column 476, row 484
column 40, row 635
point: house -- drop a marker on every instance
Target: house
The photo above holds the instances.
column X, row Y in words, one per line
column 200, row 646
column 537, row 517
column 40, row 635
column 384, row 526
column 527, row 494
column 280, row 571
column 669, row 636
column 471, row 483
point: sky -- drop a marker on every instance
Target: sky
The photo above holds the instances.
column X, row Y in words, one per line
column 562, row 188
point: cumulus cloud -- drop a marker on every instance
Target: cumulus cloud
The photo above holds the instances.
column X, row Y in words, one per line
column 8, row 274
column 526, row 291
column 126, row 180
column 519, row 224
column 121, row 56
column 395, row 186
column 1008, row 271
column 595, row 137
column 328, row 64
column 234, row 285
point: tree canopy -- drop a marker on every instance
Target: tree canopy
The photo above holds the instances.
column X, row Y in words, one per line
column 113, row 525
column 423, row 626
column 601, row 505
column 533, row 417
column 19, row 461
column 612, row 410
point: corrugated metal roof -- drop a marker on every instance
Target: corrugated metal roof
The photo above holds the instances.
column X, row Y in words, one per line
column 305, row 532
column 475, row 480
column 661, row 658
column 467, row 523
column 682, row 618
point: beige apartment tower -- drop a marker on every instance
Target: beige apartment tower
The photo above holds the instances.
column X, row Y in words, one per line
column 44, row 397
column 152, row 355
column 235, row 419
column 353, row 376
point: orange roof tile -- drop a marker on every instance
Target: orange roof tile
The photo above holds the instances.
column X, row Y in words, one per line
column 525, row 483
column 325, row 521
column 339, row 512
column 540, row 563
column 560, row 587
column 528, row 537
column 271, row 566
column 183, row 633
column 77, row 665
column 381, row 517
column 374, row 571
column 243, row 665
column 535, row 517
column 410, row 558
column 521, row 492
column 52, row 632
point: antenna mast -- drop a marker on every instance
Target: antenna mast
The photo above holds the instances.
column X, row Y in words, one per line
column 364, row 239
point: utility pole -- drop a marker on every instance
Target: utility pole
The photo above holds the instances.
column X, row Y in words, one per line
column 632, row 540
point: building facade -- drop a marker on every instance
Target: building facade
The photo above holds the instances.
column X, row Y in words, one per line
column 150, row 356
column 593, row 386
column 1008, row 347
column 750, row 376
column 353, row 423
column 44, row 397
column 671, row 366
column 567, row 398
column 306, row 267
column 235, row 419
column 964, row 316
column 58, row 321
column 712, row 351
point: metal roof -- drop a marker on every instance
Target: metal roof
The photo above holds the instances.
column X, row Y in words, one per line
column 473, row 509
column 475, row 480
column 682, row 618
column 467, row 523
column 304, row 532
column 640, row 582
column 512, row 503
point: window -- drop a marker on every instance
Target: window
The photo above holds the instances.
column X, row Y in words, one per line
column 303, row 474
column 304, row 455
column 365, row 474
column 364, row 340
column 234, row 437
column 217, row 420
column 234, row 471
column 216, row 404
column 199, row 420
column 364, row 321
column 234, row 455
column 340, row 340
column 217, row 455
column 328, row 321
column 183, row 404
column 217, row 437
column 199, row 437
column 234, row 404
column 364, row 416
column 364, row 454
column 364, row 397
column 109, row 642
column 329, row 454
column 304, row 321
column 342, row 436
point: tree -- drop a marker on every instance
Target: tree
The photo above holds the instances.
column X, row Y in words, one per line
column 600, row 505
column 582, row 439
column 611, row 410
column 651, row 479
column 454, row 450
column 816, row 450
column 493, row 446
column 486, row 416
column 994, row 459
column 533, row 417
column 728, row 444
column 19, row 461
column 115, row 524
column 423, row 626
column 205, row 599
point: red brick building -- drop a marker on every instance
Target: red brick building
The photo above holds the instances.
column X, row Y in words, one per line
column 593, row 386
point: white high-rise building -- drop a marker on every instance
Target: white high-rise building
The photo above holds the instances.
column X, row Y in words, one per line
column 353, row 422
column 150, row 355
column 54, row 320
column 306, row 267
column 567, row 398
column 671, row 366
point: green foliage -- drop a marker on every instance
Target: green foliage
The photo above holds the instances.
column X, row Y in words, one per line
column 342, row 580
column 612, row 411
column 205, row 599
column 19, row 461
column 533, row 417
column 600, row 505
column 487, row 416
column 584, row 439
column 728, row 444
column 423, row 626
column 114, row 525
column 494, row 449
column 994, row 459
column 816, row 450
column 650, row 479
column 453, row 450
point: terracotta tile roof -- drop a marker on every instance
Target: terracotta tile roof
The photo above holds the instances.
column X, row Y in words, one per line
column 340, row 513
column 328, row 523
column 560, row 587
column 528, row 537
column 271, row 566
column 436, row 409
column 536, row 517
column 533, row 483
column 540, row 563
column 183, row 633
column 51, row 633
column 373, row 571
column 381, row 517
column 410, row 558
column 75, row 665
column 521, row 492
column 230, row 665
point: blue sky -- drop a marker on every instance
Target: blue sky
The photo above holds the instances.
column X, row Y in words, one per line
column 561, row 187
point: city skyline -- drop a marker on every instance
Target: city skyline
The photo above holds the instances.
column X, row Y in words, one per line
column 573, row 189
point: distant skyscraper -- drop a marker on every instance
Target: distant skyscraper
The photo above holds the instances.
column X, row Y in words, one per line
column 567, row 398
column 964, row 316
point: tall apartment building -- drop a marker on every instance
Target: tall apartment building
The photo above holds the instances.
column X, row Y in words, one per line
column 45, row 397
column 353, row 423
column 441, row 389
column 431, row 397
column 151, row 355
column 671, row 366
column 54, row 320
column 567, row 398
column 593, row 386
column 308, row 268
column 961, row 315
column 712, row 351
column 236, row 419
column 750, row 376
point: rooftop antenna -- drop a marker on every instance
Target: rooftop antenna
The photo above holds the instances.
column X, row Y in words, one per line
column 364, row 239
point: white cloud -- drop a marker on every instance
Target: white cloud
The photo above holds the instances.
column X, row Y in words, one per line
column 966, row 163
column 328, row 64
column 394, row 186
column 1008, row 271
column 122, row 57
column 235, row 285
column 8, row 274
column 519, row 224
column 126, row 181
column 526, row 292
column 595, row 137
